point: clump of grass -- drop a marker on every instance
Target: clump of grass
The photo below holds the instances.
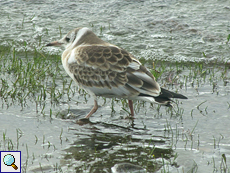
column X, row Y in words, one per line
column 31, row 77
column 6, row 144
column 228, row 38
column 194, row 74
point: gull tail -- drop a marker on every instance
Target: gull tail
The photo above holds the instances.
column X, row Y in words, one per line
column 165, row 97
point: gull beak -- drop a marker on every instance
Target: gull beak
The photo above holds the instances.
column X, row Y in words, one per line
column 55, row 43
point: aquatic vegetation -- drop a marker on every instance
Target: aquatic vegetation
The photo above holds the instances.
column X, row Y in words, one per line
column 37, row 81
column 31, row 76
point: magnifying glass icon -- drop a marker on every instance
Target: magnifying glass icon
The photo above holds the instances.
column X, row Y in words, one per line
column 9, row 160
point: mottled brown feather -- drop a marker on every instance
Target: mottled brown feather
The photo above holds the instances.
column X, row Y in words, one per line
column 108, row 66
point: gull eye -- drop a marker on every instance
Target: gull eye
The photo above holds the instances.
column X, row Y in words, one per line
column 67, row 39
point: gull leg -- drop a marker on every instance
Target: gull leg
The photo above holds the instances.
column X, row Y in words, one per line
column 131, row 108
column 93, row 110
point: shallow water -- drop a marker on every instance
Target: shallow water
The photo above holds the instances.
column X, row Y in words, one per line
column 192, row 137
column 166, row 30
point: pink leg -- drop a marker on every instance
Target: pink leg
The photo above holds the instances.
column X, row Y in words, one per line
column 131, row 108
column 93, row 110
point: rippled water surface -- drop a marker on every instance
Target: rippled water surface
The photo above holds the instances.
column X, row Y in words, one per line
column 188, row 40
column 172, row 30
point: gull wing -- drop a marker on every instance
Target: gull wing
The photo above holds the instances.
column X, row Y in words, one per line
column 111, row 72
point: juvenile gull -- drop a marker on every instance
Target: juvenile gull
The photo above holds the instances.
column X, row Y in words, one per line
column 104, row 69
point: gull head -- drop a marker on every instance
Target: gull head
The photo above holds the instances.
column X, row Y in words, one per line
column 76, row 37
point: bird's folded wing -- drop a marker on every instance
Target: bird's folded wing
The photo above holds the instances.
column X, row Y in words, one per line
column 109, row 70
